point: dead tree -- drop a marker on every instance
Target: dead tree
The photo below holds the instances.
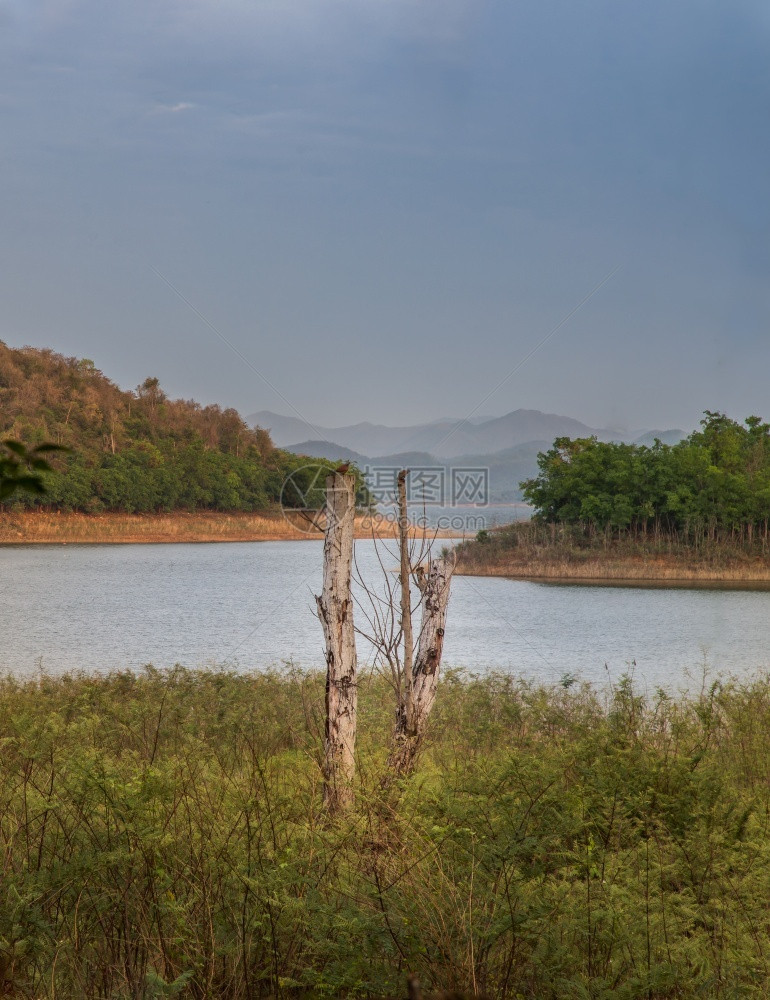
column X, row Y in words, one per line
column 434, row 585
column 404, row 709
column 412, row 666
column 335, row 611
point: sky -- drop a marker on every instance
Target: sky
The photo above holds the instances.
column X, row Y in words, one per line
column 395, row 210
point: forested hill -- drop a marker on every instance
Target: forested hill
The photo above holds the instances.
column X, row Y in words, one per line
column 134, row 451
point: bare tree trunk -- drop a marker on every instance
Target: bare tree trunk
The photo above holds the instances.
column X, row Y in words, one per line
column 335, row 611
column 435, row 587
column 435, row 600
column 404, row 709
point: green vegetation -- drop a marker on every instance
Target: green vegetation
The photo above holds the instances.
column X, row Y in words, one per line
column 137, row 452
column 538, row 549
column 162, row 836
column 22, row 468
column 713, row 485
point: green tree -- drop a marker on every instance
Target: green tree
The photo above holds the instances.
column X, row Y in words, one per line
column 716, row 481
column 22, row 468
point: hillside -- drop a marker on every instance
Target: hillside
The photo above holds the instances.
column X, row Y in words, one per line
column 134, row 451
column 326, row 449
column 445, row 438
column 507, row 468
column 364, row 438
column 508, row 465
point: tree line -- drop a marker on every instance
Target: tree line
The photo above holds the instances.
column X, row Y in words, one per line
column 135, row 451
column 712, row 485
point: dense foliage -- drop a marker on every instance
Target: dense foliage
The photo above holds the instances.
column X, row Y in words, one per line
column 134, row 451
column 22, row 468
column 162, row 836
column 714, row 482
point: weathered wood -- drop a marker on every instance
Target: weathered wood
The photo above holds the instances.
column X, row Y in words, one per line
column 404, row 709
column 335, row 611
column 435, row 586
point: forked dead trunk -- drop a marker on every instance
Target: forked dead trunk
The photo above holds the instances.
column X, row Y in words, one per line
column 335, row 611
column 435, row 599
column 435, row 587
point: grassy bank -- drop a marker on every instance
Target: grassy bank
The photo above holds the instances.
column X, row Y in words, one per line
column 554, row 552
column 25, row 527
column 161, row 836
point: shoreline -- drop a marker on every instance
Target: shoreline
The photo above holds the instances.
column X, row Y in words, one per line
column 59, row 528
column 613, row 572
column 644, row 582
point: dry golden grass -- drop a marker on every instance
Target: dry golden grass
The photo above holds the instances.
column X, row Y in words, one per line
column 543, row 552
column 29, row 527
column 670, row 569
column 42, row 527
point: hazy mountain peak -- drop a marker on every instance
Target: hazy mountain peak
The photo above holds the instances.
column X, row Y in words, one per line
column 445, row 438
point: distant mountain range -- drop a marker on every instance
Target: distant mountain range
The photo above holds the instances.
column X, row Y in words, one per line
column 445, row 438
column 508, row 446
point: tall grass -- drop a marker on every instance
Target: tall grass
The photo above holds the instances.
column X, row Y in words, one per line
column 556, row 551
column 51, row 527
column 160, row 835
column 202, row 526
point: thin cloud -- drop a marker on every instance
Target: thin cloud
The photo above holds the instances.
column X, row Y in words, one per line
column 172, row 109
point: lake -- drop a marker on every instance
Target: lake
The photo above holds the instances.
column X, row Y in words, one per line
column 248, row 606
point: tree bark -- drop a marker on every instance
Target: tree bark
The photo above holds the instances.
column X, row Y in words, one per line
column 335, row 611
column 404, row 709
column 435, row 600
column 435, row 588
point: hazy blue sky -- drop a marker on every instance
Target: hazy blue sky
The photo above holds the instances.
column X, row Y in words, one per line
column 342, row 185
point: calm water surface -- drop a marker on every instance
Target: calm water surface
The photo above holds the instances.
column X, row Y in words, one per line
column 251, row 606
